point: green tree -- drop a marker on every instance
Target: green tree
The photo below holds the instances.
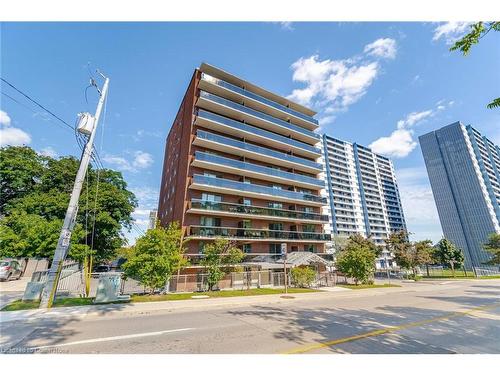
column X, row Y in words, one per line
column 357, row 259
column 493, row 247
column 33, row 236
column 398, row 242
column 303, row 277
column 413, row 255
column 35, row 185
column 20, row 171
column 478, row 31
column 217, row 258
column 445, row 252
column 156, row 256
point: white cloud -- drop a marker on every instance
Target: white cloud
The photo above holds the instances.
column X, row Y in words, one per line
column 11, row 136
column 287, row 25
column 48, row 151
column 331, row 83
column 4, row 118
column 383, row 47
column 450, row 31
column 331, row 86
column 147, row 198
column 141, row 212
column 141, row 160
column 399, row 144
column 414, row 117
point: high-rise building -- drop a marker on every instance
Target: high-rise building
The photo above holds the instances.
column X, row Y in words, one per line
column 153, row 214
column 242, row 163
column 464, row 171
column 363, row 195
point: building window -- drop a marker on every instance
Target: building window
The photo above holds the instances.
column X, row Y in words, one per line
column 275, row 248
column 309, row 247
column 276, row 226
column 211, row 197
column 210, row 221
column 247, row 202
column 246, row 224
column 247, row 248
column 201, row 246
column 275, row 205
column 308, row 228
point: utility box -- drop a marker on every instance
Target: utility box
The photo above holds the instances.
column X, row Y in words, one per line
column 85, row 123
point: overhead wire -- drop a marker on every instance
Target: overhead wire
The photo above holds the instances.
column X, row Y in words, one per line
column 98, row 173
column 36, row 102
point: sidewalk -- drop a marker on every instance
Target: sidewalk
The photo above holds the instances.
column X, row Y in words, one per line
column 112, row 310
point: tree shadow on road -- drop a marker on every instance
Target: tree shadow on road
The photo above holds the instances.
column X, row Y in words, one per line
column 305, row 326
column 24, row 337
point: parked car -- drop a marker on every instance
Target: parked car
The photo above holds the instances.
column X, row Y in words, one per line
column 102, row 268
column 10, row 269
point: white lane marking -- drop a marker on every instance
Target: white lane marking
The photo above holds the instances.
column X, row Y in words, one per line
column 114, row 338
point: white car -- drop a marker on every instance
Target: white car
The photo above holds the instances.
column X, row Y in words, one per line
column 10, row 269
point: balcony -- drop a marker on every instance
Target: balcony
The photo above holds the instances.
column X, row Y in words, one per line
column 221, row 185
column 232, row 146
column 229, row 108
column 231, row 209
column 203, row 232
column 240, row 168
column 236, row 93
column 238, row 129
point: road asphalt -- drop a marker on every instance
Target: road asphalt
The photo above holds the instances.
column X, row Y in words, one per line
column 455, row 316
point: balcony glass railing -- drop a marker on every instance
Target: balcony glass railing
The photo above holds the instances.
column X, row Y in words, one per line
column 257, row 131
column 256, row 149
column 231, row 163
column 250, row 233
column 256, row 97
column 259, row 115
column 241, row 186
column 255, row 210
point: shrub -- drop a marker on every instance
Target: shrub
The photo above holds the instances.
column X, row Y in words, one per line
column 303, row 277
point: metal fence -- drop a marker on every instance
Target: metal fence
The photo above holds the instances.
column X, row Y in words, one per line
column 72, row 282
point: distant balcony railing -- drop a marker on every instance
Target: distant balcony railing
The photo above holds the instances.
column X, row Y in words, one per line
column 254, row 188
column 256, row 149
column 259, row 115
column 293, row 177
column 255, row 210
column 256, row 97
column 250, row 233
column 257, row 131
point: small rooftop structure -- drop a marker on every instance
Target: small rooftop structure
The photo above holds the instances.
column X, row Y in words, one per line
column 294, row 259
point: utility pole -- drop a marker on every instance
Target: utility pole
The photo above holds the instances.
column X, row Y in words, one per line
column 62, row 248
column 284, row 253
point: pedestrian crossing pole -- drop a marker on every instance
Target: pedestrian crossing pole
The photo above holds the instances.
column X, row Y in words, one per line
column 50, row 288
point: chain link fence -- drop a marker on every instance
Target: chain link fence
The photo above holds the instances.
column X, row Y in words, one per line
column 72, row 282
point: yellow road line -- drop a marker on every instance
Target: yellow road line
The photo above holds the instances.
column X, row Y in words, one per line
column 378, row 332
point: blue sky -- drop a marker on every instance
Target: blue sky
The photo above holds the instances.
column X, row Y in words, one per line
column 379, row 84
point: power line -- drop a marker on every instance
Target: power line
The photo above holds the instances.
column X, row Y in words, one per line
column 95, row 155
column 31, row 109
column 38, row 104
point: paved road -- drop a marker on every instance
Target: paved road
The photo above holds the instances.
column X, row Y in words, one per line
column 12, row 290
column 439, row 317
